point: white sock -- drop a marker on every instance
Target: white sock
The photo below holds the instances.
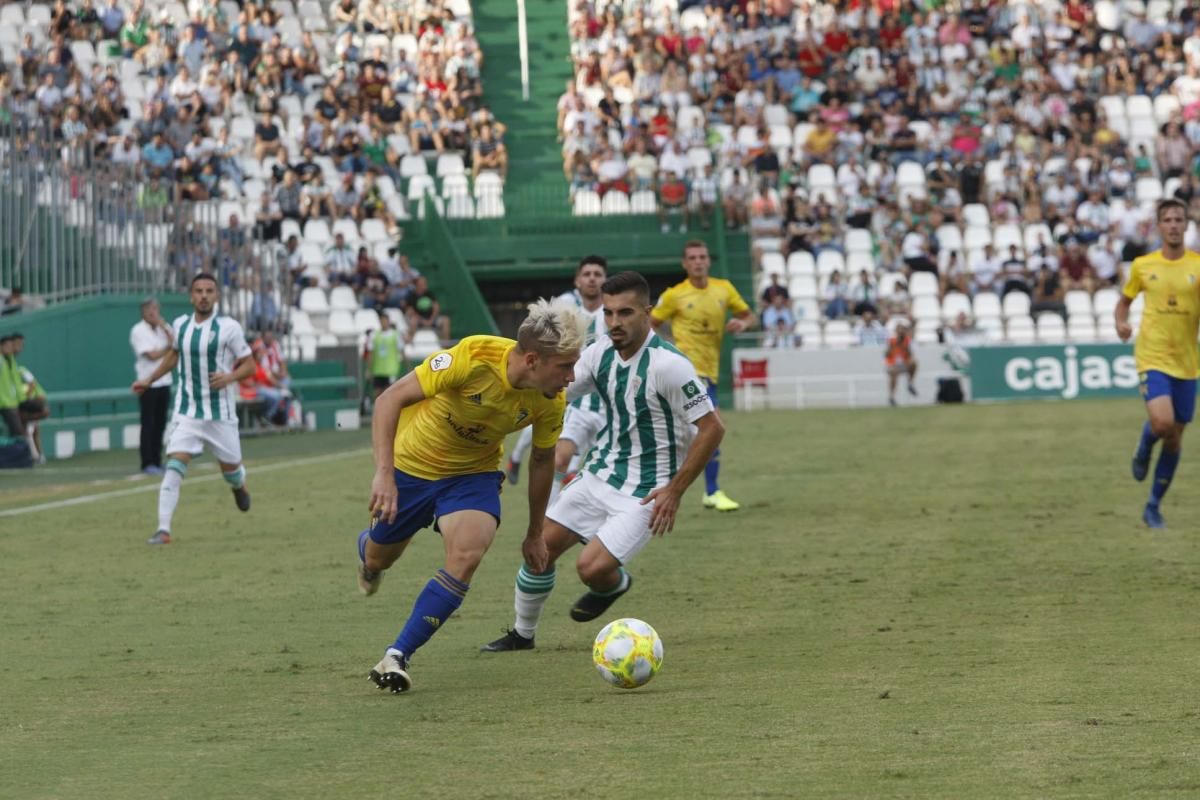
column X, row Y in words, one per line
column 530, row 598
column 168, row 498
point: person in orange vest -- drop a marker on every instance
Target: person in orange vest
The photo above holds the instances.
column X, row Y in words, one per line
column 900, row 361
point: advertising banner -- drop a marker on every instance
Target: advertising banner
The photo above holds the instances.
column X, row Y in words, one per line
column 1061, row 372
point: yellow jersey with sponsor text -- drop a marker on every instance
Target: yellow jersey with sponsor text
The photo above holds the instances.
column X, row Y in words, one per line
column 697, row 318
column 468, row 410
column 1166, row 337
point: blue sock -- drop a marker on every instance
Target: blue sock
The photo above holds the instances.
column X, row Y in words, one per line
column 440, row 598
column 1146, row 443
column 362, row 545
column 1164, row 471
column 710, row 473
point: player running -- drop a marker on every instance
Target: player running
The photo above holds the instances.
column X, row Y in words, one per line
column 212, row 355
column 438, row 434
column 1165, row 349
column 695, row 309
column 582, row 421
column 660, row 430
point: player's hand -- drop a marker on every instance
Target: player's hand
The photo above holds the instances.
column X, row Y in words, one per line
column 666, row 505
column 1124, row 331
column 139, row 387
column 535, row 552
column 219, row 380
column 736, row 325
column 383, row 496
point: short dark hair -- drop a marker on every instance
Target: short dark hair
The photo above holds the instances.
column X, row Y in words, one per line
column 1169, row 202
column 599, row 261
column 691, row 243
column 203, row 276
column 17, row 335
column 628, row 281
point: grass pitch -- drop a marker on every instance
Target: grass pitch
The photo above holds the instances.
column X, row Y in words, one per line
column 927, row 603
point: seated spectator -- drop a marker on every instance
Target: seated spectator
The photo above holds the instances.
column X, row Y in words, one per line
column 864, row 296
column 672, row 196
column 956, row 277
column 737, row 212
column 424, row 312
column 1106, row 263
column 1047, row 293
column 870, row 331
column 778, row 322
column 346, row 200
column 268, row 141
column 1076, row 270
column 776, row 289
column 766, row 218
column 263, row 387
column 489, row 153
column 1014, row 275
column 985, row 269
column 611, row 170
column 915, row 252
column 341, row 262
column 264, row 311
column 837, row 297
column 705, row 194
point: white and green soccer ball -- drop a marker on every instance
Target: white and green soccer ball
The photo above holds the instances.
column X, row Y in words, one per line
column 627, row 653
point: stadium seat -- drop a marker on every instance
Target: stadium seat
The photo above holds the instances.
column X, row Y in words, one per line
column 1139, row 106
column 801, row 287
column 955, row 303
column 1079, row 303
column 1020, row 330
column 488, row 183
column 829, row 262
column 587, row 204
column 923, row 284
column 772, row 263
column 614, row 202
column 1104, row 302
column 976, row 214
column 317, row 232
column 991, row 328
column 806, row 309
column 460, row 206
column 858, row 240
column 373, row 230
column 838, row 334
column 341, row 324
column 910, row 173
column 821, row 176
column 413, row 165
column 301, row 324
column 341, row 298
column 949, row 237
column 1005, row 235
column 859, row 261
column 1148, row 190
column 348, row 228
column 927, row 309
column 801, row 262
column 314, row 301
column 1051, row 329
column 976, row 237
column 455, row 184
column 449, row 164
column 489, row 206
column 1035, row 234
column 424, row 344
column 643, row 202
column 809, row 332
column 1081, row 330
column 366, row 319
column 1015, row 304
column 418, row 185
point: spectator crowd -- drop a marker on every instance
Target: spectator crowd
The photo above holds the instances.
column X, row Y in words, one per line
column 997, row 147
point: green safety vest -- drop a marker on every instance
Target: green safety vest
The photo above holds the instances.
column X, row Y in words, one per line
column 10, row 383
column 385, row 354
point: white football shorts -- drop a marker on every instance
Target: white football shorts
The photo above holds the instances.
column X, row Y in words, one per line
column 188, row 435
column 591, row 509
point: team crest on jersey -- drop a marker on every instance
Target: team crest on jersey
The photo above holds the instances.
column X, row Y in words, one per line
column 1171, row 301
column 635, row 384
column 476, row 398
column 1153, row 276
column 441, row 361
column 690, row 389
column 522, row 416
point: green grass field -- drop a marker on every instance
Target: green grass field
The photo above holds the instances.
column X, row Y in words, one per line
column 925, row 603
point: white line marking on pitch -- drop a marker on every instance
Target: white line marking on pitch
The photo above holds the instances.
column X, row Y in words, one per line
column 90, row 498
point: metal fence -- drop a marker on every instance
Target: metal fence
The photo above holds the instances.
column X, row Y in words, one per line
column 73, row 224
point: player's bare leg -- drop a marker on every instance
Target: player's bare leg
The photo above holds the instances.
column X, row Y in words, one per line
column 235, row 476
column 602, row 573
column 373, row 559
column 168, row 495
column 532, row 591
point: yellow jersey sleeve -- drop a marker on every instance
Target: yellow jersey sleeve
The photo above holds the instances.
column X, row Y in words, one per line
column 664, row 309
column 548, row 420
column 1133, row 286
column 446, row 369
column 735, row 302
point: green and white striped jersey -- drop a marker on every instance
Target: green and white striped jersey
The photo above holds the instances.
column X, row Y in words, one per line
column 650, row 403
column 204, row 348
column 596, row 329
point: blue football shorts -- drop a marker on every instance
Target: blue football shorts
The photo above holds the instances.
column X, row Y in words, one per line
column 420, row 502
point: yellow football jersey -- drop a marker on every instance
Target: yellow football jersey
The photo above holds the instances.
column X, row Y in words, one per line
column 469, row 407
column 1166, row 338
column 697, row 318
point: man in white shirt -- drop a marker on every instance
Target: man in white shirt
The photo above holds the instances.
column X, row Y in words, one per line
column 1062, row 196
column 151, row 340
column 1093, row 216
column 984, row 269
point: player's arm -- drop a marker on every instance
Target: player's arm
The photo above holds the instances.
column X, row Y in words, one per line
column 743, row 318
column 243, row 368
column 710, row 431
column 663, row 311
column 1121, row 312
column 168, row 363
column 384, row 420
column 541, row 477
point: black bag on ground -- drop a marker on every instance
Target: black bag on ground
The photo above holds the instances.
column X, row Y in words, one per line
column 949, row 390
column 15, row 454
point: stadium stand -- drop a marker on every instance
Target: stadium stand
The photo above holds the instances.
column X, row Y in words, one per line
column 980, row 140
column 305, row 119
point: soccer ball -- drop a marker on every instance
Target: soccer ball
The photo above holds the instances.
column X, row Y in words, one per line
column 627, row 653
